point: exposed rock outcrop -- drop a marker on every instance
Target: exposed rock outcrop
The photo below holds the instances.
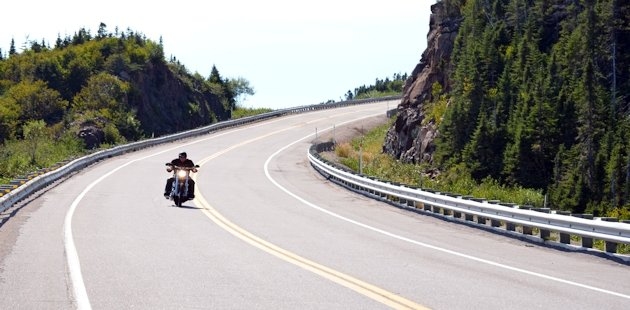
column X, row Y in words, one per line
column 91, row 135
column 408, row 139
column 166, row 103
column 162, row 102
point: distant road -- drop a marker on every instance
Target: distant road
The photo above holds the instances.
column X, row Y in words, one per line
column 268, row 232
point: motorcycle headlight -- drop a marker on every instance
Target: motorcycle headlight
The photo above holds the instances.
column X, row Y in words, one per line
column 181, row 173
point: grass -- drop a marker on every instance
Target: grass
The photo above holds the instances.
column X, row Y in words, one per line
column 20, row 157
column 52, row 145
column 373, row 162
column 240, row 112
column 364, row 154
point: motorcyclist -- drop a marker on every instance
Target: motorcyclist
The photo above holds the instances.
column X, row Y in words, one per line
column 181, row 161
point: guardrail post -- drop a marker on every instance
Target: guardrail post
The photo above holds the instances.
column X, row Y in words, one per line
column 611, row 247
column 428, row 207
column 449, row 212
column 586, row 241
column 419, row 205
column 480, row 219
column 509, row 226
column 457, row 214
column 526, row 230
column 545, row 234
column 564, row 237
column 493, row 222
column 480, row 206
column 469, row 217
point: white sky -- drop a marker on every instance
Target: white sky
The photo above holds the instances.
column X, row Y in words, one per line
column 293, row 53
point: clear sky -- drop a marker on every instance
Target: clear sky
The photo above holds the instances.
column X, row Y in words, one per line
column 293, row 53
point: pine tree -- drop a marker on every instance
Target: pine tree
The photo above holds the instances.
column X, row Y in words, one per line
column 12, row 50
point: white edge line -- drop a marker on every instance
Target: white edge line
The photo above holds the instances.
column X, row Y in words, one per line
column 72, row 257
column 481, row 260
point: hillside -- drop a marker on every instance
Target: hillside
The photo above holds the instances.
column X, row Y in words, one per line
column 92, row 91
column 530, row 93
column 80, row 74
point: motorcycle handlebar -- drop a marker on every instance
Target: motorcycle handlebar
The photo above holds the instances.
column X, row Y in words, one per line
column 182, row 168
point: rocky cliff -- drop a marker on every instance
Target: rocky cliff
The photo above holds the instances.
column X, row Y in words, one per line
column 409, row 140
column 167, row 102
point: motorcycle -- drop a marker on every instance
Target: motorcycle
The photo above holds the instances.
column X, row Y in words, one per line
column 179, row 189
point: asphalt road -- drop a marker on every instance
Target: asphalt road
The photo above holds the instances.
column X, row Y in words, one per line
column 268, row 232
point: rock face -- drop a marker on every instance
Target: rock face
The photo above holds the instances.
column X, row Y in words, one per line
column 163, row 102
column 91, row 135
column 166, row 104
column 408, row 139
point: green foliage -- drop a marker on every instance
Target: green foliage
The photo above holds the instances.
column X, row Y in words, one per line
column 10, row 113
column 240, row 112
column 240, row 88
column 103, row 92
column 36, row 102
column 457, row 179
column 112, row 135
column 535, row 104
column 381, row 88
column 34, row 135
column 48, row 95
column 435, row 110
column 41, row 149
column 225, row 89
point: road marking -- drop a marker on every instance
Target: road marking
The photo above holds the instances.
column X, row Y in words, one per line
column 72, row 258
column 385, row 297
column 455, row 253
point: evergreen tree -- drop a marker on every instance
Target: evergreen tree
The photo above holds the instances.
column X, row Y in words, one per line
column 12, row 50
column 102, row 31
column 215, row 77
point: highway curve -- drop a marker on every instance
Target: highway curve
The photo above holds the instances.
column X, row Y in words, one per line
column 266, row 231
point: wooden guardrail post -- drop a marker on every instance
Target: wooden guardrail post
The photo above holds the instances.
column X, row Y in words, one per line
column 449, row 212
column 476, row 211
column 509, row 226
column 527, row 230
column 457, row 214
column 480, row 219
column 564, row 237
column 586, row 241
column 493, row 222
column 428, row 207
column 545, row 234
column 468, row 217
column 611, row 247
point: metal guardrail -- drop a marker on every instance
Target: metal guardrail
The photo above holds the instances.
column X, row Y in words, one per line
column 466, row 209
column 24, row 187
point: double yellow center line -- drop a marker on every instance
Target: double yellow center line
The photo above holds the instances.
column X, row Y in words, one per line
column 385, row 297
